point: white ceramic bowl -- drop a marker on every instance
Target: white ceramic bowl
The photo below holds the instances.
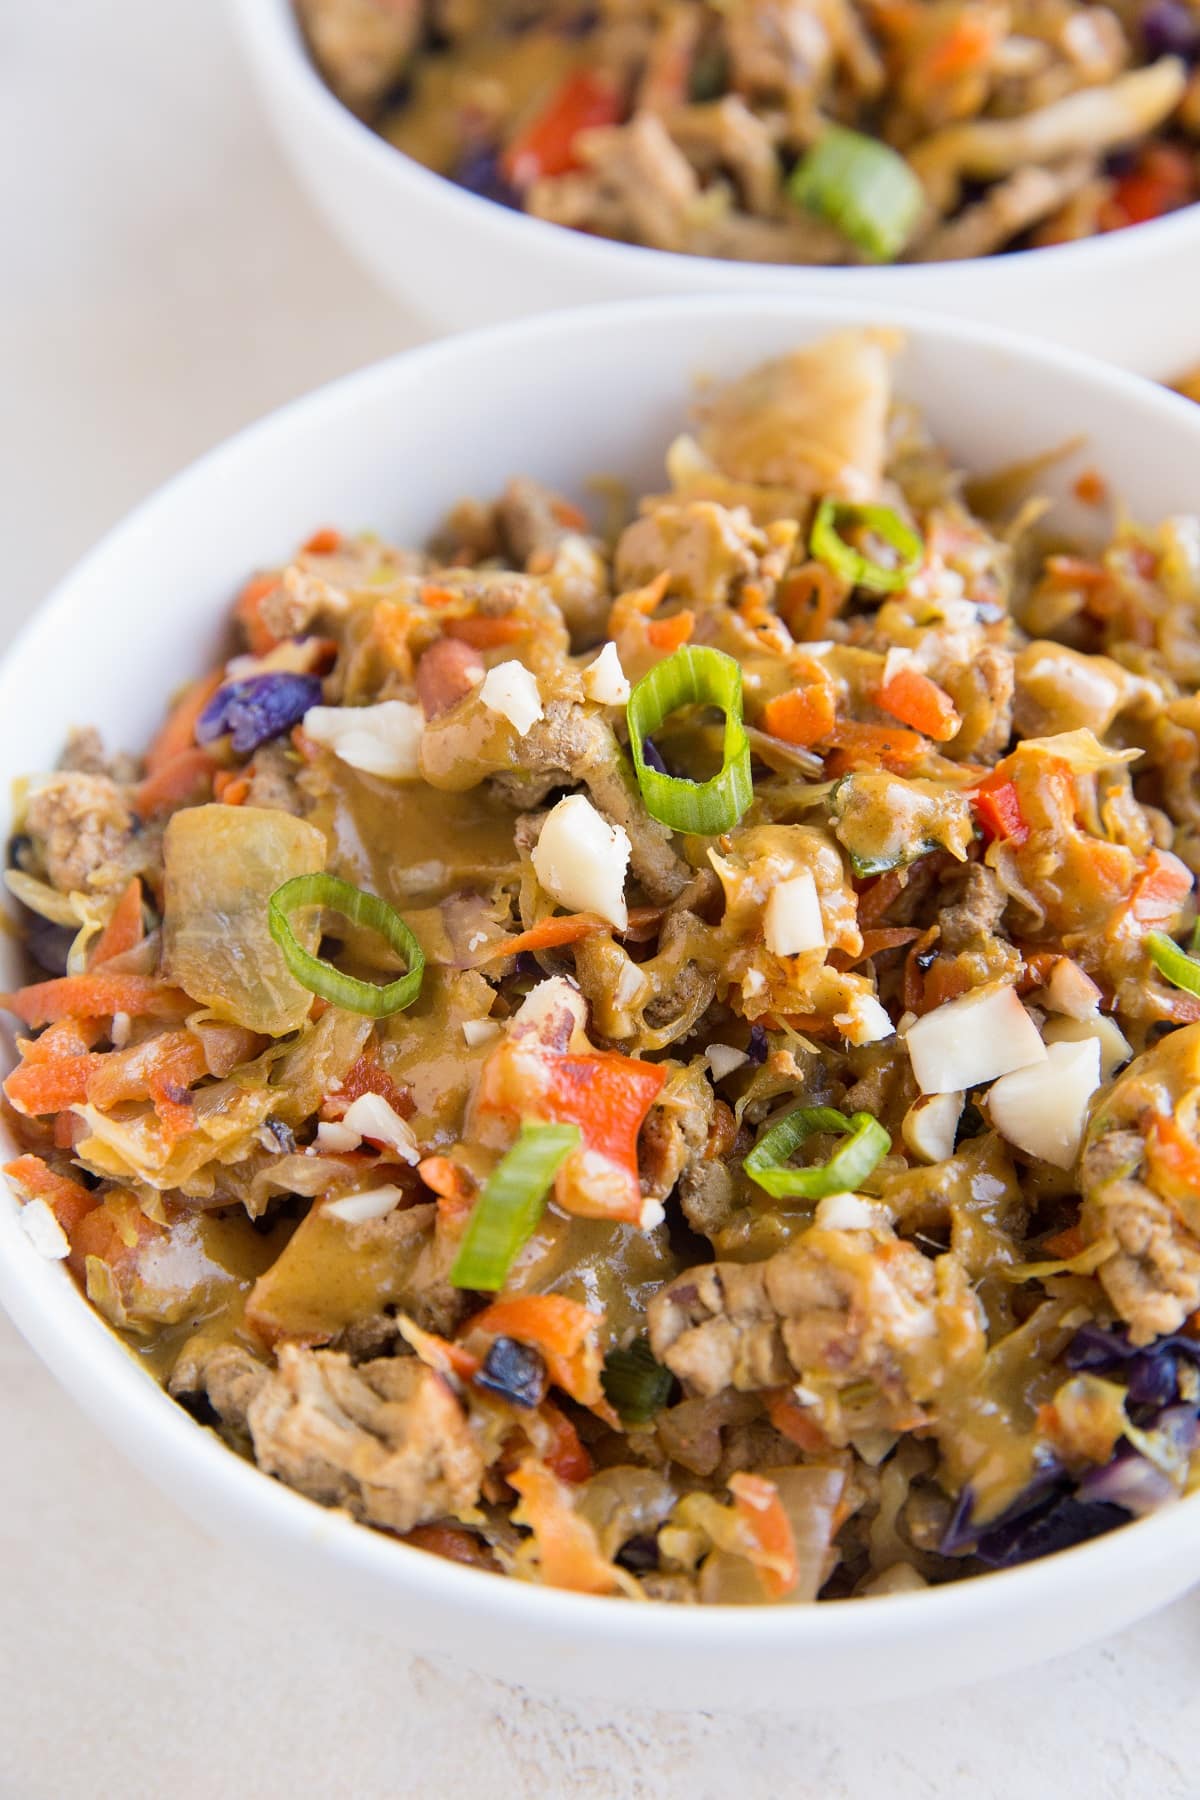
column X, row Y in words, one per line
column 561, row 397
column 465, row 261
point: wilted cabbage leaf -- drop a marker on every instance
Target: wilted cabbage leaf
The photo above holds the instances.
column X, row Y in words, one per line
column 223, row 863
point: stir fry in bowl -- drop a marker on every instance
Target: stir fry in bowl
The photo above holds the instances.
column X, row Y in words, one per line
column 788, row 131
column 665, row 1065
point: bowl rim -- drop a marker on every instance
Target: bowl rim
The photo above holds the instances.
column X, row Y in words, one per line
column 272, row 33
column 104, row 1376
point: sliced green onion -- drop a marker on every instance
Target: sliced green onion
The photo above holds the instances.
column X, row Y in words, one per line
column 320, row 977
column 862, row 187
column 1181, row 970
column 505, row 1215
column 693, row 676
column 635, row 1383
column 866, row 1143
column 830, row 547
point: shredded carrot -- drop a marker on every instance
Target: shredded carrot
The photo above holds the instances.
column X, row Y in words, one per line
column 809, row 599
column 433, row 595
column 915, row 700
column 177, row 781
column 94, row 995
column 1090, row 488
column 179, row 732
column 68, row 1200
column 172, row 1059
column 568, row 1550
column 325, row 542
column 567, row 515
column 792, row 1421
column 1065, row 1245
column 124, row 930
column 484, row 633
column 564, row 1453
column 1174, row 1158
column 231, row 787
column 454, row 1188
column 248, row 612
column 67, row 1037
column 670, row 634
column 858, row 746
column 762, row 1513
column 887, row 937
column 803, row 716
column 440, row 1353
column 39, row 1088
column 1160, row 890
column 879, row 894
column 567, row 928
column 968, row 45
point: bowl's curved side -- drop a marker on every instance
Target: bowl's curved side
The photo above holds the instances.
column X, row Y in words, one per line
column 391, row 447
column 463, row 261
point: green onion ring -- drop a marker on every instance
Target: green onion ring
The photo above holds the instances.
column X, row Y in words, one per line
column 634, row 1383
column 698, row 676
column 506, row 1213
column 1180, row 969
column 862, row 187
column 320, row 977
column 767, row 1164
column 829, row 547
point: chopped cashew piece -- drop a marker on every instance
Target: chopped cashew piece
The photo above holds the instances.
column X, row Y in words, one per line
column 1043, row 1109
column 580, row 859
column 792, row 917
column 723, row 1059
column 1115, row 1047
column 372, row 1117
column 604, row 680
column 985, row 1034
column 1070, row 991
column 44, row 1231
column 930, row 1125
column 380, row 740
column 511, row 690
column 367, row 1203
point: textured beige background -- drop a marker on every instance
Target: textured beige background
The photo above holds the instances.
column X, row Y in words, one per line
column 160, row 284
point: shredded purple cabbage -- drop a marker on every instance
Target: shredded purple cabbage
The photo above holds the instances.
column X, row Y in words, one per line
column 756, row 1049
column 652, row 756
column 1170, row 28
column 258, row 709
column 480, row 173
column 1130, row 1481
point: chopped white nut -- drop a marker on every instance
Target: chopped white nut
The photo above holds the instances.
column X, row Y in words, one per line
column 966, row 1042
column 1070, row 991
column 334, row 1136
column 866, row 1023
column 1115, row 1047
column 553, row 1004
column 753, row 982
column 480, row 1031
column 44, row 1231
column 604, row 680
column 896, row 659
column 792, row 920
column 122, row 1025
column 371, row 1116
column 850, row 1212
column 366, row 1203
column 511, row 690
column 581, row 860
column 930, row 1124
column 380, row 740
column 1043, row 1109
column 723, row 1059
column 653, row 1213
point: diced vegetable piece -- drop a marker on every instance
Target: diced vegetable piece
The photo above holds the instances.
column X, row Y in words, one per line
column 985, row 1034
column 802, row 716
column 1115, row 1047
column 861, row 186
column 564, row 1331
column 792, row 920
column 581, row 860
column 568, row 1553
column 998, row 808
column 1043, row 1109
column 367, row 1203
column 223, row 863
column 635, row 1383
column 546, row 146
column 258, row 709
column 910, row 696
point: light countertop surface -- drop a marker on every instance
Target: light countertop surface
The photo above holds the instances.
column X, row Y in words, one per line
column 162, row 283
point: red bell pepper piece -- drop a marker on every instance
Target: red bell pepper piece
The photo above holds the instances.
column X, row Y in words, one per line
column 547, row 144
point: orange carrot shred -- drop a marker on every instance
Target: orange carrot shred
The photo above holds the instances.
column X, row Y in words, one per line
column 124, row 930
